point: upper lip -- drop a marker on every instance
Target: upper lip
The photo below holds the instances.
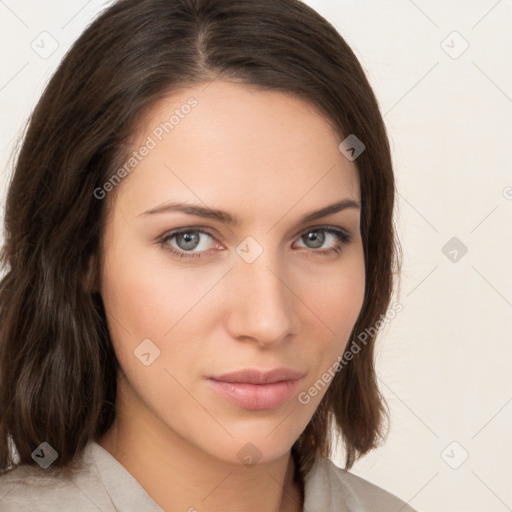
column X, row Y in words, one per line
column 255, row 376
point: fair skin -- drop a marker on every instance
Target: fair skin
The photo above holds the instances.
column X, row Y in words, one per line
column 267, row 158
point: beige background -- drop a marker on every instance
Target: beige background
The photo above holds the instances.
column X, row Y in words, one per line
column 444, row 360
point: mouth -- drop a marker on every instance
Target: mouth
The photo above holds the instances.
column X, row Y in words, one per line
column 257, row 390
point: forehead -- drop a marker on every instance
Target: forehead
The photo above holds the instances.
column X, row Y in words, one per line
column 225, row 141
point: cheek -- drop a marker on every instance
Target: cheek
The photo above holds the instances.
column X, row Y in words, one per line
column 335, row 299
column 148, row 298
column 148, row 306
column 336, row 296
column 136, row 297
column 340, row 300
column 143, row 292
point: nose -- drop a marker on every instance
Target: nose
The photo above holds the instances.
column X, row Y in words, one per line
column 262, row 306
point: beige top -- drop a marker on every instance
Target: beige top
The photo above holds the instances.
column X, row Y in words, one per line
column 104, row 485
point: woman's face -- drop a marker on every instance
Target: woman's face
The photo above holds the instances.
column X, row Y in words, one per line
column 262, row 293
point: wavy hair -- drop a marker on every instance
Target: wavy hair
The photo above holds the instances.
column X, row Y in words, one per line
column 58, row 369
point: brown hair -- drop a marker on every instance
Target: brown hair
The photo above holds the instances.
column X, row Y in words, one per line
column 58, row 368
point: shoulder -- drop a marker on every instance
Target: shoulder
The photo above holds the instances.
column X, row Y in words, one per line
column 333, row 487
column 30, row 488
column 26, row 487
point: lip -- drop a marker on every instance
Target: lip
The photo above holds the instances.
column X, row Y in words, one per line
column 257, row 390
column 255, row 376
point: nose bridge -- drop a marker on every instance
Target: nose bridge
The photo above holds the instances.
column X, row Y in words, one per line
column 263, row 301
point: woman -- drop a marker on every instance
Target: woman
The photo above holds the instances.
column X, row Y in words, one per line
column 199, row 227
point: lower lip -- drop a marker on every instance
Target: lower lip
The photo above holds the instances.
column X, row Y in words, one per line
column 255, row 397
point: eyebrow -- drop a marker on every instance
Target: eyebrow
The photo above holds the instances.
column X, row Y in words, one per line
column 227, row 218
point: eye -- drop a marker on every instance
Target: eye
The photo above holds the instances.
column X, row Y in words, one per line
column 317, row 237
column 187, row 240
column 190, row 243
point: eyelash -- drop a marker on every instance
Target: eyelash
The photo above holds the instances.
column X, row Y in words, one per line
column 343, row 236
